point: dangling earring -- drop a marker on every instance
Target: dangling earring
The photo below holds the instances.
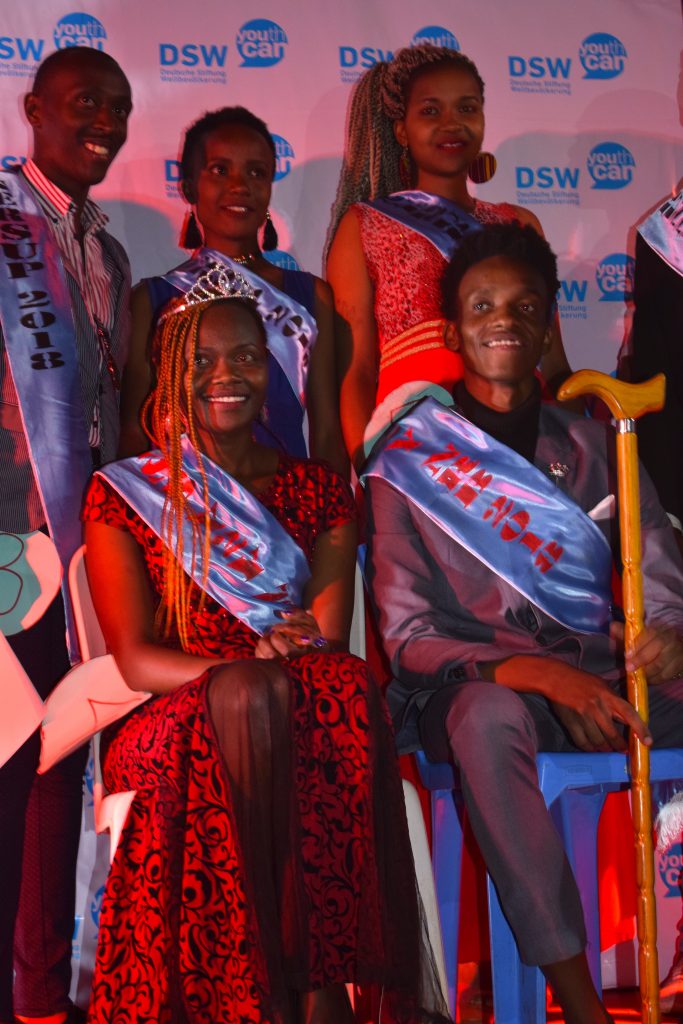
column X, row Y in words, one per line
column 269, row 234
column 482, row 168
column 405, row 170
column 191, row 236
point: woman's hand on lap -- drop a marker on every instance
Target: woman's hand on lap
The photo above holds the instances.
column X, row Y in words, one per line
column 298, row 633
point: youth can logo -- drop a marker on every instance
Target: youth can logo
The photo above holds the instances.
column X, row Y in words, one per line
column 284, row 155
column 280, row 258
column 670, row 866
column 96, row 906
column 79, row 29
column 8, row 162
column 77, row 937
column 261, row 43
column 89, row 779
column 614, row 277
column 436, row 36
column 602, row 56
column 610, row 165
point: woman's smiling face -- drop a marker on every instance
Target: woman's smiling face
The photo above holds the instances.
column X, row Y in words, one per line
column 443, row 127
column 230, row 371
column 232, row 187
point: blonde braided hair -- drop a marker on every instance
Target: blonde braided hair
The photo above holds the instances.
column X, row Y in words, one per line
column 166, row 415
column 371, row 162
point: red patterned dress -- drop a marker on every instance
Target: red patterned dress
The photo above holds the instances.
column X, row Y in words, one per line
column 406, row 271
column 179, row 938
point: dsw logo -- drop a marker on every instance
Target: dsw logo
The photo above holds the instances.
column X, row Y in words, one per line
column 572, row 291
column 547, row 177
column 539, row 67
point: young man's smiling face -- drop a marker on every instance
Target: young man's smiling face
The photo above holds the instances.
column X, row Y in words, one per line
column 501, row 329
column 80, row 121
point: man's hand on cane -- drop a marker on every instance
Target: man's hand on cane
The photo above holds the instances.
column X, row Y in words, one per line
column 658, row 649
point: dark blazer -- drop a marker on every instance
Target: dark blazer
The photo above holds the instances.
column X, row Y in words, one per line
column 442, row 612
column 657, row 344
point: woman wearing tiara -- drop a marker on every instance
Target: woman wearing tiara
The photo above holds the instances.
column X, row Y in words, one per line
column 227, row 167
column 415, row 123
column 266, row 862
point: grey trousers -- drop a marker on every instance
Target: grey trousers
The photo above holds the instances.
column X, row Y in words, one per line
column 492, row 735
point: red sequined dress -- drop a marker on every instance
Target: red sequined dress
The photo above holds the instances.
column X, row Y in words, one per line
column 406, row 271
column 180, row 941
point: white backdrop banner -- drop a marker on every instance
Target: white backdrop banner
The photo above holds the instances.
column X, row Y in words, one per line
column 582, row 111
column 582, row 106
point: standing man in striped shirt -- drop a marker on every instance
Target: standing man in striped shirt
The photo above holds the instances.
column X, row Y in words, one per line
column 64, row 290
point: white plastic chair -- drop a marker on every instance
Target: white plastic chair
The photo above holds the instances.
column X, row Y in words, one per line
column 425, row 877
column 110, row 809
column 416, row 825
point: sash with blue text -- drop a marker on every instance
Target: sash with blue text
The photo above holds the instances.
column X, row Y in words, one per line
column 38, row 328
column 501, row 509
column 256, row 570
column 440, row 221
column 292, row 331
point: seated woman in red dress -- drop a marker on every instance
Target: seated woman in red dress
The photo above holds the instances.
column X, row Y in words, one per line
column 266, row 861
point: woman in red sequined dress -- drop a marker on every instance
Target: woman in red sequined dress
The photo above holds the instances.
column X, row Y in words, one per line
column 266, row 861
column 417, row 123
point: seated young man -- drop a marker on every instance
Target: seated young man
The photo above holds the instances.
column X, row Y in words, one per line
column 492, row 536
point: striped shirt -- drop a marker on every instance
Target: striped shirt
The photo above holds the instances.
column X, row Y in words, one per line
column 89, row 268
column 86, row 262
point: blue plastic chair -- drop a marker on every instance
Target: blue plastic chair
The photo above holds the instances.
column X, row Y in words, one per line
column 574, row 787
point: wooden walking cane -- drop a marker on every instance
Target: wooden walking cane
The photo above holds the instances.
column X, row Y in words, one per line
column 627, row 402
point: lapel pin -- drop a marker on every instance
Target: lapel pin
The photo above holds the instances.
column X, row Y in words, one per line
column 558, row 470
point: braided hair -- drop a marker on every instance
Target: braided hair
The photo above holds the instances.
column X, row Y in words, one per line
column 166, row 415
column 372, row 155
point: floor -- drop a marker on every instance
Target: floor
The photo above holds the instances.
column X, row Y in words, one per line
column 475, row 1005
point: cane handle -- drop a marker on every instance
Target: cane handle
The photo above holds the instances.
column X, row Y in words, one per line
column 624, row 401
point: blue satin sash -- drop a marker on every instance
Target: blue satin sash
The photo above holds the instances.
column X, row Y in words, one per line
column 503, row 510
column 440, row 221
column 292, row 331
column 38, row 329
column 256, row 570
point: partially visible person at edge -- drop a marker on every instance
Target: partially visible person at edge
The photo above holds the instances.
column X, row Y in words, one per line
column 493, row 534
column 415, row 123
column 655, row 347
column 266, row 860
column 55, row 424
column 227, row 165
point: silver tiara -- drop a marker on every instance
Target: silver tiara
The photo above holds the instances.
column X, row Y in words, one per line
column 218, row 282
